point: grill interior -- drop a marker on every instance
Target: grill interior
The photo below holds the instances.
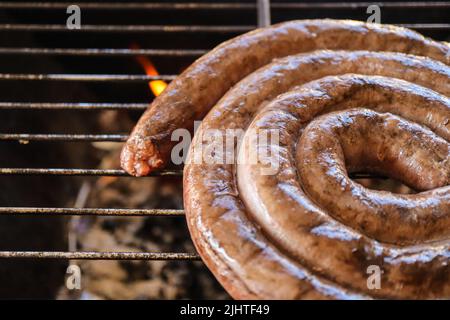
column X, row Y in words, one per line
column 58, row 86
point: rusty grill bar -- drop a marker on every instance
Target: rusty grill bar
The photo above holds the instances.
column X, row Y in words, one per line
column 86, row 255
column 126, row 28
column 72, row 106
column 221, row 6
column 174, row 28
column 103, row 52
column 91, row 211
column 115, row 173
column 81, row 172
column 130, row 6
column 63, row 137
column 263, row 13
column 85, row 77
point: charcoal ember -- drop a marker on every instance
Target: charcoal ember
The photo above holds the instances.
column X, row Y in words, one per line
column 135, row 279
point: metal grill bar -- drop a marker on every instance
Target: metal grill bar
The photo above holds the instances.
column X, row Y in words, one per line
column 90, row 211
column 85, row 77
column 118, row 172
column 73, row 106
column 127, row 28
column 129, row 6
column 103, row 52
column 175, row 28
column 219, row 6
column 64, row 137
column 358, row 5
column 425, row 26
column 263, row 13
column 81, row 172
column 89, row 255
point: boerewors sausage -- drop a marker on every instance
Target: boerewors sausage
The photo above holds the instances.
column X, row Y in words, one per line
column 292, row 224
column 308, row 231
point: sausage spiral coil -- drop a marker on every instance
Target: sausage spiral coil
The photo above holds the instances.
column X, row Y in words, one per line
column 308, row 231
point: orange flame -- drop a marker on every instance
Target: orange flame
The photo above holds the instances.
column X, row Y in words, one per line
column 157, row 86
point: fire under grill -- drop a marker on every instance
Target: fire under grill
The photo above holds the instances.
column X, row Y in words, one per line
column 40, row 77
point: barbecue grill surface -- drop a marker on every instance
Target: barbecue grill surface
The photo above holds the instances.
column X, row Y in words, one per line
column 69, row 98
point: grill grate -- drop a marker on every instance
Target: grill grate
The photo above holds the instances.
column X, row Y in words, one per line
column 99, row 255
column 72, row 106
column 86, row 77
column 263, row 14
column 125, row 28
column 91, row 211
column 81, row 172
column 101, row 52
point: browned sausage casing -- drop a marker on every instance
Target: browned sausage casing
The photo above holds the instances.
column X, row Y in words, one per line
column 309, row 231
column 303, row 251
column 283, row 236
column 197, row 89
